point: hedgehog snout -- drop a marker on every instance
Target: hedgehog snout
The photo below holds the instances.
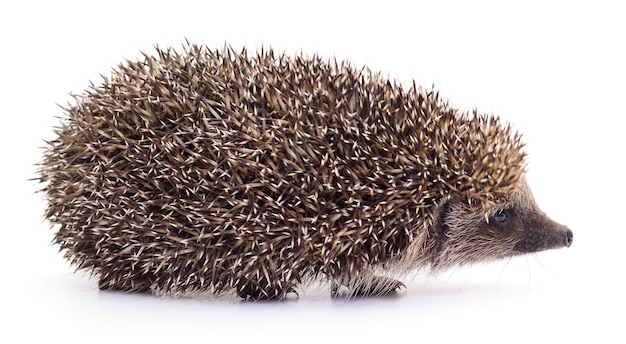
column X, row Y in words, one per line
column 545, row 239
column 568, row 236
column 563, row 237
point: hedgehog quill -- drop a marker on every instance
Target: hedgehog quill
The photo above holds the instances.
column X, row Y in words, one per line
column 223, row 171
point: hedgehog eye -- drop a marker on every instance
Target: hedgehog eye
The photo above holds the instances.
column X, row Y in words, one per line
column 500, row 217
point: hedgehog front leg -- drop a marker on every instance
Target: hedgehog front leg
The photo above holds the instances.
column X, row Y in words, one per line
column 365, row 286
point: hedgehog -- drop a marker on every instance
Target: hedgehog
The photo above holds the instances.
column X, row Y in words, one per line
column 199, row 170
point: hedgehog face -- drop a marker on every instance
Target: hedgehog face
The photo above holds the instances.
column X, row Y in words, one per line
column 468, row 234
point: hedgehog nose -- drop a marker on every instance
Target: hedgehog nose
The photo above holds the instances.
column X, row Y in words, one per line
column 569, row 236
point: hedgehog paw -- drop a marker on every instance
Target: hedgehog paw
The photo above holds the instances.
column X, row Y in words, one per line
column 256, row 294
column 366, row 287
column 106, row 284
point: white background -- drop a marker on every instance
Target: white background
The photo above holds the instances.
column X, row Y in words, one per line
column 556, row 70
